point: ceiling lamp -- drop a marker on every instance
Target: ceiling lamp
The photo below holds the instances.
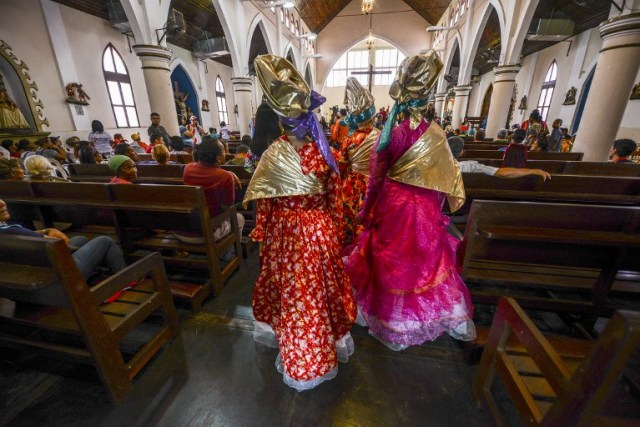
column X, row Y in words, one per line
column 367, row 6
column 370, row 42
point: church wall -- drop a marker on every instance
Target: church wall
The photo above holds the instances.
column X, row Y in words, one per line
column 37, row 53
column 574, row 66
column 405, row 30
column 88, row 37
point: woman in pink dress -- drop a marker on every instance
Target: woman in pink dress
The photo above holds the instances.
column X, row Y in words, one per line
column 403, row 268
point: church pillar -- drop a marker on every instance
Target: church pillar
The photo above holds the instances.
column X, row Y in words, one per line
column 505, row 79
column 460, row 105
column 439, row 105
column 155, row 67
column 243, row 89
column 612, row 84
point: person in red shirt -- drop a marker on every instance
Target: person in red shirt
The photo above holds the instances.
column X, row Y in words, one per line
column 621, row 149
column 219, row 185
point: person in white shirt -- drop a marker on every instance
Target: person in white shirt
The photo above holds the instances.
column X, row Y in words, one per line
column 471, row 166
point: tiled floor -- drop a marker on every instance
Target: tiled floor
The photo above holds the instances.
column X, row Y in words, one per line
column 215, row 375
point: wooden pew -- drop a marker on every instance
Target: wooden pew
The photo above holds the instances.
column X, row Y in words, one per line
column 148, row 216
column 553, row 256
column 484, row 146
column 178, row 158
column 147, row 174
column 129, row 214
column 575, row 167
column 494, row 154
column 60, row 304
column 570, row 188
column 561, row 381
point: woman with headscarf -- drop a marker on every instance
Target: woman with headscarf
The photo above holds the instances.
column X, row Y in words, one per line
column 302, row 301
column 403, row 268
column 355, row 150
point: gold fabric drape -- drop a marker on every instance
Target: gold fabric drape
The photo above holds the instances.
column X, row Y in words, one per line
column 429, row 164
column 361, row 155
column 279, row 174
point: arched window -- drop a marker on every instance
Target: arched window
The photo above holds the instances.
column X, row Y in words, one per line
column 387, row 59
column 223, row 115
column 119, row 87
column 547, row 90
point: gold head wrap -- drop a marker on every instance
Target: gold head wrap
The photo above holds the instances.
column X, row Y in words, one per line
column 415, row 77
column 357, row 97
column 284, row 87
column 414, row 80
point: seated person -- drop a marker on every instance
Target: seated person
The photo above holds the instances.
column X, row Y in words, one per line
column 517, row 137
column 541, row 144
column 621, row 149
column 101, row 251
column 49, row 148
column 176, row 145
column 26, row 148
column 40, row 169
column 503, row 135
column 10, row 169
column 160, row 154
column 241, row 154
column 124, row 149
column 136, row 143
column 480, row 135
column 89, row 155
column 471, row 166
column 124, row 169
column 10, row 147
column 219, row 185
column 187, row 137
column 156, row 138
column 567, row 141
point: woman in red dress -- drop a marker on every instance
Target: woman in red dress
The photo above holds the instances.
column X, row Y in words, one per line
column 302, row 301
column 354, row 154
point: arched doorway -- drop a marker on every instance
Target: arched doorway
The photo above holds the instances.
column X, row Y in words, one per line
column 291, row 59
column 486, row 103
column 307, row 76
column 185, row 95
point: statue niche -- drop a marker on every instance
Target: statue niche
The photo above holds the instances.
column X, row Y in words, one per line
column 21, row 111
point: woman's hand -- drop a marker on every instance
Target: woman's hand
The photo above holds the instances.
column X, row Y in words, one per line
column 55, row 234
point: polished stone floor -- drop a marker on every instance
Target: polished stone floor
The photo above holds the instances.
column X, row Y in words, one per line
column 215, row 375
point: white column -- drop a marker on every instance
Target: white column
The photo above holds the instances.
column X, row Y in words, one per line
column 460, row 105
column 243, row 90
column 64, row 59
column 206, row 116
column 439, row 105
column 157, row 77
column 612, row 84
column 505, row 79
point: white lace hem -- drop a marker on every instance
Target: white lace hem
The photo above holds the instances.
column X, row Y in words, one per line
column 263, row 333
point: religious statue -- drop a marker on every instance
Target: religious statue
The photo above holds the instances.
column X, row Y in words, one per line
column 570, row 99
column 10, row 115
column 75, row 94
column 523, row 103
column 181, row 106
column 205, row 105
column 635, row 93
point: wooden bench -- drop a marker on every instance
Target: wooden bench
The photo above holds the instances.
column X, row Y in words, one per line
column 553, row 256
column 147, row 174
column 561, row 381
column 149, row 216
column 178, row 158
column 474, row 145
column 576, row 167
column 494, row 154
column 57, row 312
column 129, row 214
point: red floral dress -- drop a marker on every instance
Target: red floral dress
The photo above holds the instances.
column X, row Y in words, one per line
column 302, row 291
column 354, row 185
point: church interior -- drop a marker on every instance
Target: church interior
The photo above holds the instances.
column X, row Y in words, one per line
column 550, row 256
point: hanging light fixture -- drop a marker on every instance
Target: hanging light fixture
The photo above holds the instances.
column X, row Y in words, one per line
column 367, row 6
column 370, row 41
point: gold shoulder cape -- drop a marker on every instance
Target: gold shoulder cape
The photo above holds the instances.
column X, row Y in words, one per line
column 429, row 164
column 361, row 155
column 279, row 174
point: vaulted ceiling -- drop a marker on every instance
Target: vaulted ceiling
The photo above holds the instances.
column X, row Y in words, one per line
column 199, row 15
column 202, row 20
